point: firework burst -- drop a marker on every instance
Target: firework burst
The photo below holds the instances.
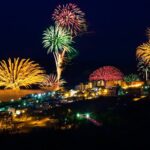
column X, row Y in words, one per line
column 71, row 17
column 143, row 52
column 57, row 39
column 20, row 73
column 50, row 82
column 106, row 73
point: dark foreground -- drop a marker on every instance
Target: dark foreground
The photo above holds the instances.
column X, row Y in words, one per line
column 126, row 125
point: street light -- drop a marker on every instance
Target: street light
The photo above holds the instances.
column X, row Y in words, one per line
column 87, row 115
column 78, row 115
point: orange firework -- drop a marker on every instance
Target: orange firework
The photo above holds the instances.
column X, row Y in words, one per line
column 143, row 52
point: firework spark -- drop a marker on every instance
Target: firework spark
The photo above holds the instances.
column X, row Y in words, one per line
column 50, row 82
column 71, row 17
column 143, row 52
column 106, row 73
column 58, row 41
column 20, row 73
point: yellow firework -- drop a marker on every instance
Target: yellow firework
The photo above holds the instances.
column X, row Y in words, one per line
column 143, row 52
column 20, row 73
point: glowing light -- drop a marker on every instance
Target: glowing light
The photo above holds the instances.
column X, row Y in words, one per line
column 105, row 91
column 136, row 99
column 39, row 95
column 70, row 17
column 87, row 115
column 72, row 92
column 85, row 95
column 139, row 98
column 93, row 94
column 67, row 95
column 78, row 115
column 134, row 85
column 20, row 73
column 23, row 111
column 18, row 112
column 12, row 100
column 24, row 104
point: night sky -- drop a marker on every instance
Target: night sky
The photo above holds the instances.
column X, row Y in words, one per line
column 115, row 28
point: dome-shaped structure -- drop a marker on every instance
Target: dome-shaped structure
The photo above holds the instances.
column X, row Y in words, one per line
column 106, row 73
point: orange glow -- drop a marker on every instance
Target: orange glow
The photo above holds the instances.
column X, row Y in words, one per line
column 133, row 85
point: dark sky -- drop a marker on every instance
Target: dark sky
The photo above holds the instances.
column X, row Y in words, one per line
column 116, row 28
